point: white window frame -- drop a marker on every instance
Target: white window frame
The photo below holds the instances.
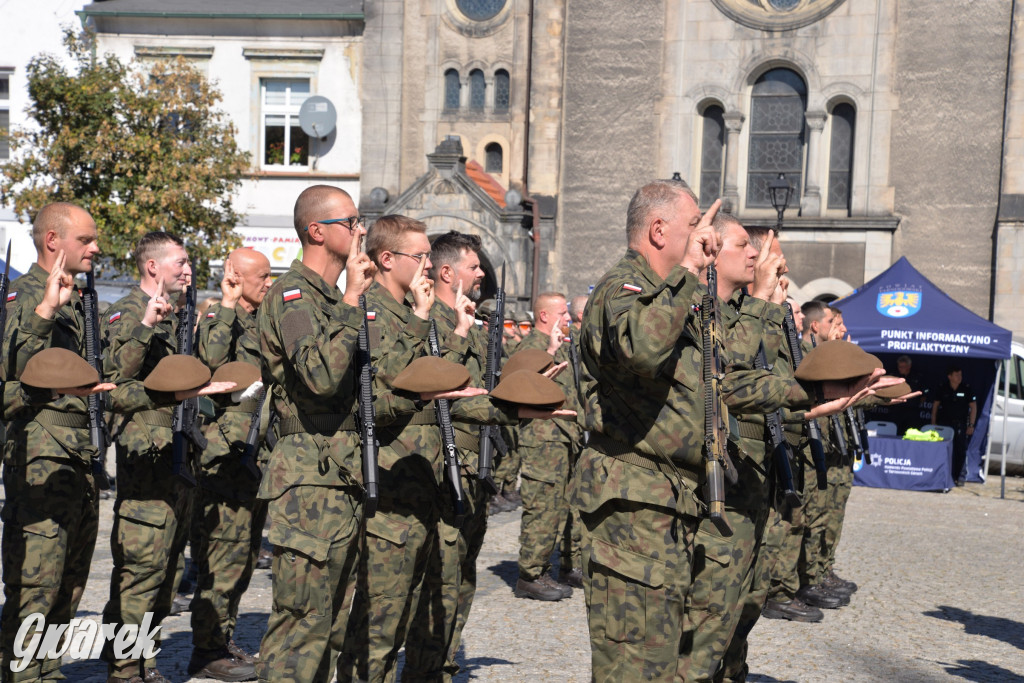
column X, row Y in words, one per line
column 5, row 105
column 290, row 112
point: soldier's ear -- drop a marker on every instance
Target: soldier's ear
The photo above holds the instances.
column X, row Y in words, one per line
column 656, row 232
column 446, row 274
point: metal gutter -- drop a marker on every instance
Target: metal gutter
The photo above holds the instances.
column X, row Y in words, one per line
column 211, row 15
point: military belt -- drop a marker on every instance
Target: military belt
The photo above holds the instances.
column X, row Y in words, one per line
column 750, row 430
column 57, row 418
column 614, row 449
column 156, row 418
column 427, row 416
column 467, row 442
column 243, row 407
column 324, row 423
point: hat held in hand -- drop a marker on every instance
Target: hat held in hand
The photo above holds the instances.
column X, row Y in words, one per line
column 527, row 388
column 534, row 360
column 895, row 391
column 242, row 373
column 835, row 361
column 57, row 368
column 428, row 374
column 177, row 373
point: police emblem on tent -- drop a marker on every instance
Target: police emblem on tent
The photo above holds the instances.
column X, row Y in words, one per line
column 899, row 303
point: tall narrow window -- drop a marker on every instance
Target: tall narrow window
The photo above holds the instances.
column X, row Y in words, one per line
column 777, row 106
column 502, row 89
column 284, row 143
column 5, row 116
column 452, row 90
column 712, row 156
column 477, row 86
column 840, row 164
column 494, row 158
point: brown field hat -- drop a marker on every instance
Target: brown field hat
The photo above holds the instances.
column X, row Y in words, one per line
column 534, row 360
column 177, row 373
column 836, row 361
column 430, row 373
column 528, row 388
column 57, row 368
column 894, row 391
column 876, row 360
column 240, row 372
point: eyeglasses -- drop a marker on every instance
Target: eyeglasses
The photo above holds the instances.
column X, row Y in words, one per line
column 351, row 222
column 418, row 257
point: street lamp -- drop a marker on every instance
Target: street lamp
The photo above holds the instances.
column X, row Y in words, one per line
column 780, row 191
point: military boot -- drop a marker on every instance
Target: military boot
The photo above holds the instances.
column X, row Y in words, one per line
column 220, row 665
column 238, row 653
column 836, row 587
column 573, row 577
column 816, row 596
column 540, row 589
column 794, row 610
column 154, row 676
column 850, row 585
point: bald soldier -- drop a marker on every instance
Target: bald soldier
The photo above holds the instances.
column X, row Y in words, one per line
column 51, row 513
column 226, row 511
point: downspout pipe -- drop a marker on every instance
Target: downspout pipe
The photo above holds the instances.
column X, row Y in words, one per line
column 535, row 232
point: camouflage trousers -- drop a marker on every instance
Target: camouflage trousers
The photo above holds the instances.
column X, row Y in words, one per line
column 315, row 532
column 571, row 540
column 506, row 472
column 50, row 520
column 407, row 558
column 816, row 515
column 840, row 494
column 723, row 573
column 429, row 657
column 147, row 542
column 545, row 473
column 778, row 533
column 638, row 535
column 230, row 533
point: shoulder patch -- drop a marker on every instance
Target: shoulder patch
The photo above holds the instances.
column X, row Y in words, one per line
column 292, row 294
column 211, row 314
column 12, row 296
column 632, row 288
column 371, row 315
column 114, row 318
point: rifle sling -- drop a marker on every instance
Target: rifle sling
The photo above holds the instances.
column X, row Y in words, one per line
column 467, row 442
column 243, row 407
column 155, row 418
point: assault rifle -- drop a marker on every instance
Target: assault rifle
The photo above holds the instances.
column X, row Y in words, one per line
column 859, row 452
column 366, row 418
column 837, row 425
column 98, row 435
column 782, row 453
column 490, row 436
column 252, row 439
column 185, row 424
column 716, row 458
column 813, row 431
column 451, row 455
column 5, row 284
column 863, row 428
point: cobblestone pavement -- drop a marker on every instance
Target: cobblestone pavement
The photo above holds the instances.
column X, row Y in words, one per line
column 941, row 598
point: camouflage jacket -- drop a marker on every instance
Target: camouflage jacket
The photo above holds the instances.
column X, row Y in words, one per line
column 641, row 346
column 533, row 433
column 26, row 335
column 132, row 351
column 226, row 335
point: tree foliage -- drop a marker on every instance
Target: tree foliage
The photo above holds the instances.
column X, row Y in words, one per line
column 141, row 149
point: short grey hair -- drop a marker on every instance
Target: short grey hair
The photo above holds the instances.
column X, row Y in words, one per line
column 653, row 196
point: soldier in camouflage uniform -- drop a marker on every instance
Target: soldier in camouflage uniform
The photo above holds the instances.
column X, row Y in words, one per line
column 51, row 513
column 547, row 450
column 227, row 513
column 724, row 566
column 151, row 511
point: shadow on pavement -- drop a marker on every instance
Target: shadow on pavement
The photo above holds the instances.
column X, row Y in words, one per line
column 507, row 571
column 998, row 628
column 763, row 678
column 975, row 670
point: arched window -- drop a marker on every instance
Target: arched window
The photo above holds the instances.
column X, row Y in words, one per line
column 712, row 157
column 494, row 158
column 452, row 90
column 777, row 106
column 501, row 91
column 840, row 164
column 476, row 90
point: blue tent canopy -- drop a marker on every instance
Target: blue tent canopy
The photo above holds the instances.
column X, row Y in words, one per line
column 901, row 312
column 13, row 274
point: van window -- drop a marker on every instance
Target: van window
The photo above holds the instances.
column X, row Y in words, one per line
column 1016, row 368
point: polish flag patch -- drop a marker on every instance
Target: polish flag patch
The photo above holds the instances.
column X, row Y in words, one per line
column 211, row 315
column 371, row 315
column 292, row 294
column 114, row 318
column 632, row 288
column 12, row 296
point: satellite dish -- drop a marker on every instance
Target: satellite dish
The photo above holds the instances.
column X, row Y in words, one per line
column 317, row 116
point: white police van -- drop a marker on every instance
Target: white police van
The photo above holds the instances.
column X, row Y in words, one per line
column 1013, row 408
